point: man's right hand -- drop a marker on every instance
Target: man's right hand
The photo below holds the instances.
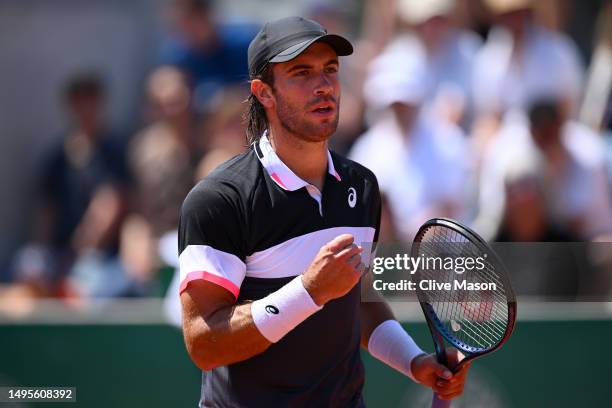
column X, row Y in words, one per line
column 335, row 270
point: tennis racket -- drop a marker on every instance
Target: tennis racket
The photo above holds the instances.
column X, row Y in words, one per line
column 476, row 322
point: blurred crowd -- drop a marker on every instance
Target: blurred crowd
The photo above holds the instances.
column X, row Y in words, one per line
column 485, row 111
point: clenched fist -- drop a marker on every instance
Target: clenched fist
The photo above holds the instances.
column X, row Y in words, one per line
column 335, row 270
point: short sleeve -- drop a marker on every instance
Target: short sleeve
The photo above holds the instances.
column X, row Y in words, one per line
column 212, row 237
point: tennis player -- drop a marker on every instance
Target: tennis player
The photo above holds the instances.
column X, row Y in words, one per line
column 271, row 249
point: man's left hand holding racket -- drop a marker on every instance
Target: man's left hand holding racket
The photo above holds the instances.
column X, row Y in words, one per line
column 441, row 380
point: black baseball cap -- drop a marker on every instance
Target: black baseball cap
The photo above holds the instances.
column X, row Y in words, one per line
column 284, row 39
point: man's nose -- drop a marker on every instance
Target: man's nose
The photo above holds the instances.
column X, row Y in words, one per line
column 325, row 86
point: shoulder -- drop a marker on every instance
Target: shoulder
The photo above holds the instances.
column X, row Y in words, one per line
column 240, row 170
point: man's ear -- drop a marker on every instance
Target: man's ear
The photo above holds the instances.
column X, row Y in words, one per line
column 263, row 92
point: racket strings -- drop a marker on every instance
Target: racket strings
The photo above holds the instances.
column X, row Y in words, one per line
column 476, row 318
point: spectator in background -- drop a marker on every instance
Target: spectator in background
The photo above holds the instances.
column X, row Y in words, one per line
column 164, row 154
column 448, row 53
column 80, row 204
column 574, row 170
column 212, row 54
column 224, row 128
column 162, row 157
column 526, row 216
column 420, row 161
column 507, row 143
column 542, row 260
column 569, row 160
column 596, row 109
column 226, row 137
column 522, row 61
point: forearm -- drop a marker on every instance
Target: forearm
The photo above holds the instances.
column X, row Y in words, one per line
column 373, row 312
column 372, row 315
column 226, row 336
column 231, row 333
column 385, row 339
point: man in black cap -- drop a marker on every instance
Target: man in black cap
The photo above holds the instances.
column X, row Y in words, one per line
column 271, row 249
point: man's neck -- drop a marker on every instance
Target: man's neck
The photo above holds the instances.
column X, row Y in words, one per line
column 308, row 160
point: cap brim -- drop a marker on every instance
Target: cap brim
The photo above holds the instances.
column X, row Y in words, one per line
column 341, row 45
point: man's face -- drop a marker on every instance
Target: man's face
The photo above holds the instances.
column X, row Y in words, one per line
column 307, row 93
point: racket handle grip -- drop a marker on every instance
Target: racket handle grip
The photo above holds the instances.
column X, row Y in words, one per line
column 439, row 403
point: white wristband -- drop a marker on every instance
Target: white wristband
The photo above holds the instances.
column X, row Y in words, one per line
column 390, row 343
column 279, row 312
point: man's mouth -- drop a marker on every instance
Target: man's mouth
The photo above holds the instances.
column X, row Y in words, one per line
column 324, row 109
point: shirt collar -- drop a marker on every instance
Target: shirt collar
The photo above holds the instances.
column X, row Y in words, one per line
column 279, row 172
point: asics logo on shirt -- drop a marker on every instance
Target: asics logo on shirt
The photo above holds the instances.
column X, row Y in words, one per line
column 352, row 197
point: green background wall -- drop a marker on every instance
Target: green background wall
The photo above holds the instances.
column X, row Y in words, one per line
column 545, row 364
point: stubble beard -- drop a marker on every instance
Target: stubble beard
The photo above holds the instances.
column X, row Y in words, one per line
column 292, row 121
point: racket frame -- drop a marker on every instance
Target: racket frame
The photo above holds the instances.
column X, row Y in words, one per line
column 438, row 331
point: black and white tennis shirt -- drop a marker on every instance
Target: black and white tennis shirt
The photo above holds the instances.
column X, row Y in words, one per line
column 253, row 225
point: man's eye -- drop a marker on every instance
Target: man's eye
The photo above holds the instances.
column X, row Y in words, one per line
column 331, row 70
column 302, row 73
